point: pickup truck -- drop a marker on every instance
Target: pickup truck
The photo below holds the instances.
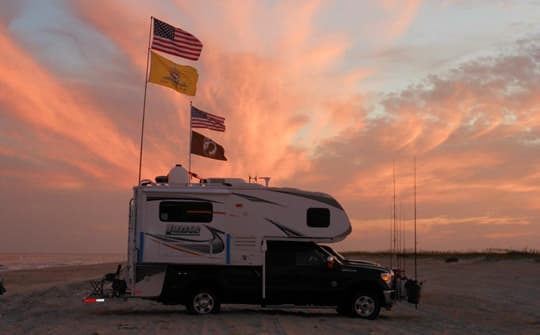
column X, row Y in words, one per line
column 298, row 273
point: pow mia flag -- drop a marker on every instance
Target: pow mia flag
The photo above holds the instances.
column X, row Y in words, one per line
column 206, row 147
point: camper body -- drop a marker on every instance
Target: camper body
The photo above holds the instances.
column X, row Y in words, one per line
column 221, row 222
column 228, row 241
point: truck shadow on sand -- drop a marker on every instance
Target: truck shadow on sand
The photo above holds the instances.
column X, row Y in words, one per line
column 250, row 312
column 234, row 312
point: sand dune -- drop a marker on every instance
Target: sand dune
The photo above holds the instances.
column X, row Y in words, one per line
column 468, row 297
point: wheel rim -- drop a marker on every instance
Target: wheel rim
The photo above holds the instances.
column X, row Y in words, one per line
column 203, row 303
column 364, row 306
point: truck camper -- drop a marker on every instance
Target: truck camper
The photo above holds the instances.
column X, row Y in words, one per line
column 224, row 240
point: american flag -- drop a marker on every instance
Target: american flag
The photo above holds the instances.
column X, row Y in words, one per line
column 175, row 41
column 200, row 119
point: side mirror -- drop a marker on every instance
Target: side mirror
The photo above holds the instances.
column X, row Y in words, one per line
column 330, row 262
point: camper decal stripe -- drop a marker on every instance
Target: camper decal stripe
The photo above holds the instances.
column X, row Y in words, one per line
column 214, row 245
column 181, row 249
column 181, row 199
column 288, row 231
column 175, row 247
column 313, row 196
column 256, row 199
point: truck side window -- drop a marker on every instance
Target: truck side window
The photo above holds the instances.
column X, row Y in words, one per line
column 309, row 257
column 318, row 217
column 280, row 258
column 185, row 211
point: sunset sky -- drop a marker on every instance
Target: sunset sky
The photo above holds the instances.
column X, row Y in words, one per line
column 319, row 95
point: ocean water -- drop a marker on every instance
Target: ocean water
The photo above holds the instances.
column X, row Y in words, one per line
column 26, row 261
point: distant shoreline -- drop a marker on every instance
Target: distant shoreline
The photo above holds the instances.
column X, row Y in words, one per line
column 36, row 261
column 491, row 254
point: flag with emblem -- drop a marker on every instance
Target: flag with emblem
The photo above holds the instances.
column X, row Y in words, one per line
column 181, row 78
column 201, row 119
column 206, row 147
column 175, row 41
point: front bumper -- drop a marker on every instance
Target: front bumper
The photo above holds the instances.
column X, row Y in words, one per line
column 388, row 294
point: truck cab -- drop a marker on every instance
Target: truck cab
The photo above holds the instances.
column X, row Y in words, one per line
column 304, row 273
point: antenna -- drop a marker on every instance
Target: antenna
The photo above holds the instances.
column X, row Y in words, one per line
column 398, row 251
column 256, row 180
column 391, row 235
column 266, row 180
column 400, row 237
column 415, row 255
column 394, row 212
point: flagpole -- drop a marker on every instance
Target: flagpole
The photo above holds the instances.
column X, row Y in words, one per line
column 190, row 136
column 144, row 100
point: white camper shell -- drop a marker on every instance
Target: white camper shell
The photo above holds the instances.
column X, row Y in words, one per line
column 219, row 221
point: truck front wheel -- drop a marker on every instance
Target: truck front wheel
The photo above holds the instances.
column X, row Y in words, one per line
column 203, row 301
column 366, row 305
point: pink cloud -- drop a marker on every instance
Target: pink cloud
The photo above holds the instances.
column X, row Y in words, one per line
column 266, row 99
column 36, row 98
column 472, row 132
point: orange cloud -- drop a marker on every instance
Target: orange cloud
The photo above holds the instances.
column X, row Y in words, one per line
column 33, row 96
column 475, row 137
column 267, row 99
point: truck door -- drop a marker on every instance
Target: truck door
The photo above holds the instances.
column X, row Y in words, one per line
column 297, row 273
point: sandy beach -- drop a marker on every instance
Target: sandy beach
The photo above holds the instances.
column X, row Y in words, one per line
column 472, row 296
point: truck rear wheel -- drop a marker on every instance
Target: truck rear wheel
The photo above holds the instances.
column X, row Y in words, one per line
column 366, row 305
column 203, row 301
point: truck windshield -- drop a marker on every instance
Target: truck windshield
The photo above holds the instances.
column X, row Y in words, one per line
column 332, row 252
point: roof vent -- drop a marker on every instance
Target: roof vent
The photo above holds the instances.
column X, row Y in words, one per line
column 162, row 179
column 226, row 181
column 178, row 176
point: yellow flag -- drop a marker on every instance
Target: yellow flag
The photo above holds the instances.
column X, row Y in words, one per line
column 181, row 78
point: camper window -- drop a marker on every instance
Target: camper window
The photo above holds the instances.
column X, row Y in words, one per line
column 184, row 211
column 318, row 217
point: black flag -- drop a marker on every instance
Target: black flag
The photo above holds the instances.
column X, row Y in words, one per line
column 206, row 147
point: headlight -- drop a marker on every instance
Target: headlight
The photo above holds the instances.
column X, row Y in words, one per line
column 387, row 277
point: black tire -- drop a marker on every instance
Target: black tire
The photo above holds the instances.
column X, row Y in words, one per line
column 366, row 304
column 203, row 301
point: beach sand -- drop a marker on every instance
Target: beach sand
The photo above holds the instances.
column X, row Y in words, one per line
column 473, row 296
